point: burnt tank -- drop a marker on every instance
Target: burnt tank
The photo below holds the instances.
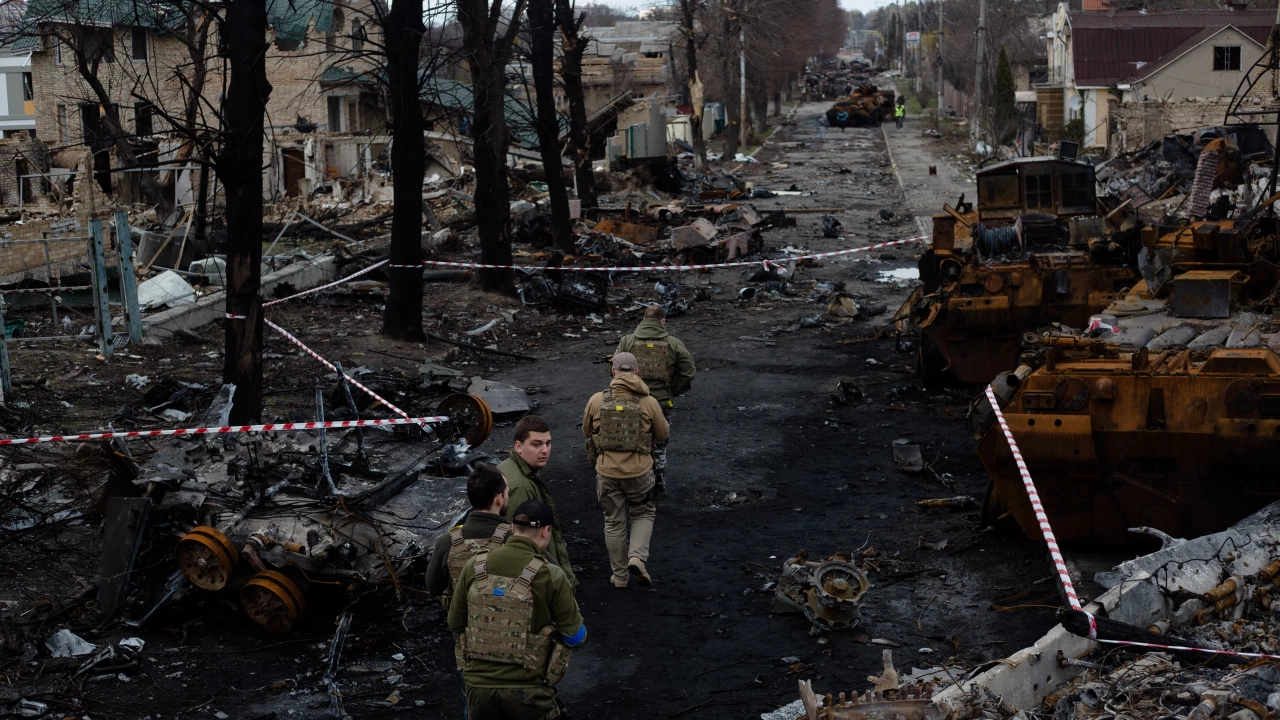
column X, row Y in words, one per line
column 1164, row 411
column 1035, row 250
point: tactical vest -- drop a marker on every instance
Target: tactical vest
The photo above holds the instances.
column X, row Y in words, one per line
column 621, row 426
column 500, row 618
column 651, row 357
column 460, row 550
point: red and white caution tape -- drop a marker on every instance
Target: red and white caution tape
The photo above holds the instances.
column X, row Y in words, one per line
column 236, row 317
column 273, row 427
column 334, row 368
column 339, row 281
column 1058, row 563
column 648, row 268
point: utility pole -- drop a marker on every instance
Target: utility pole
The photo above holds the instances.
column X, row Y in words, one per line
column 742, row 84
column 975, row 107
column 941, row 103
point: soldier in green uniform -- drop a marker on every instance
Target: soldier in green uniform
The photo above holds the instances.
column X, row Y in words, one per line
column 529, row 454
column 485, row 528
column 667, row 369
column 515, row 619
column 621, row 425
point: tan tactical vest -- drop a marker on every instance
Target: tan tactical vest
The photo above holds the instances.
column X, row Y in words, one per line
column 651, row 357
column 461, row 550
column 621, row 426
column 500, row 619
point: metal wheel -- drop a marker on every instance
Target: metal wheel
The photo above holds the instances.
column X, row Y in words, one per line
column 207, row 558
column 273, row 601
column 470, row 415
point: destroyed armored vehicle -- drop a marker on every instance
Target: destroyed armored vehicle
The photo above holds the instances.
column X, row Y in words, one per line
column 1034, row 251
column 1162, row 411
column 276, row 522
column 868, row 105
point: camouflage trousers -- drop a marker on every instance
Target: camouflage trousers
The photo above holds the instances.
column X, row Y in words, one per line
column 533, row 703
column 660, row 448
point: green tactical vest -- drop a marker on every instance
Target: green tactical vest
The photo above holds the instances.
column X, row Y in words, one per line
column 651, row 359
column 461, row 550
column 500, row 619
column 621, row 426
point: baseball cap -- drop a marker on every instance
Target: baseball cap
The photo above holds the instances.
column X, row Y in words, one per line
column 625, row 361
column 538, row 514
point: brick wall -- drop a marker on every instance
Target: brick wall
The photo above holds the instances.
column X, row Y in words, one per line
column 23, row 155
column 21, row 259
column 1139, row 123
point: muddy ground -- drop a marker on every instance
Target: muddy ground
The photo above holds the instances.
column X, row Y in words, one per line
column 763, row 463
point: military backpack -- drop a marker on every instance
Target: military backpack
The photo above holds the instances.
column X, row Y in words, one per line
column 621, row 427
column 651, row 359
column 462, row 550
column 500, row 624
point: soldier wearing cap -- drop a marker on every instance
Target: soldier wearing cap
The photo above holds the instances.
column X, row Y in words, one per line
column 665, row 365
column 621, row 425
column 515, row 619
column 485, row 528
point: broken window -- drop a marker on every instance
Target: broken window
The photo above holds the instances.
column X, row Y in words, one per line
column 1039, row 191
column 1077, row 189
column 139, row 49
column 335, row 114
column 57, row 50
column 143, row 124
column 357, row 36
column 998, row 190
column 26, row 87
column 96, row 44
column 1226, row 57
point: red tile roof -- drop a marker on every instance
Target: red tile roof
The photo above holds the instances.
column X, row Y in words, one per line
column 1109, row 47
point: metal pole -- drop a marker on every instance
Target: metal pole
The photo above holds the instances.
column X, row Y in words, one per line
column 53, row 297
column 100, row 296
column 975, row 116
column 742, row 84
column 355, row 414
column 941, row 80
column 128, row 279
column 6, row 379
column 324, row 443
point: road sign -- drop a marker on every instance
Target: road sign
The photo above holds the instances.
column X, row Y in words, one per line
column 913, row 38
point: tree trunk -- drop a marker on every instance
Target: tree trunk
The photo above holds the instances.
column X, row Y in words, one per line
column 240, row 168
column 688, row 27
column 572, row 48
column 542, row 31
column 487, row 57
column 402, row 319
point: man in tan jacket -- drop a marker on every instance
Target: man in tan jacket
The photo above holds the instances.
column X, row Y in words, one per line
column 621, row 425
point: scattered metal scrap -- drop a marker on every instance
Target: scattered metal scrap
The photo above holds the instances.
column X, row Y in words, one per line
column 828, row 593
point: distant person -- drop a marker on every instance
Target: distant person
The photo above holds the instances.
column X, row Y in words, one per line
column 666, row 366
column 900, row 111
column 485, row 528
column 465, row 127
column 530, row 454
column 516, row 618
column 621, row 425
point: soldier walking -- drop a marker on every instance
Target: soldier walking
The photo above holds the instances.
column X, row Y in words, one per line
column 485, row 528
column 516, row 619
column 666, row 367
column 621, row 425
column 530, row 454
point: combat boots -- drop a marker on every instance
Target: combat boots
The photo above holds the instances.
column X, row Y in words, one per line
column 636, row 567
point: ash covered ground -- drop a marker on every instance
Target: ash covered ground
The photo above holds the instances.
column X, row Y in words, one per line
column 767, row 458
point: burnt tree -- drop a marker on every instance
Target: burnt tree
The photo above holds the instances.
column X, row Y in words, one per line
column 240, row 169
column 403, row 30
column 572, row 47
column 542, row 31
column 688, row 28
column 488, row 52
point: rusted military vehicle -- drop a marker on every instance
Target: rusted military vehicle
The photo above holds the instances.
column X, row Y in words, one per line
column 1034, row 251
column 1165, row 414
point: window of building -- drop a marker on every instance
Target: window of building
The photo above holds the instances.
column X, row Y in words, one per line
column 97, row 44
column 139, row 44
column 143, row 119
column 357, row 36
column 27, row 93
column 90, row 121
column 1226, row 57
column 57, row 50
column 352, row 125
column 335, row 114
column 1077, row 189
column 64, row 132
